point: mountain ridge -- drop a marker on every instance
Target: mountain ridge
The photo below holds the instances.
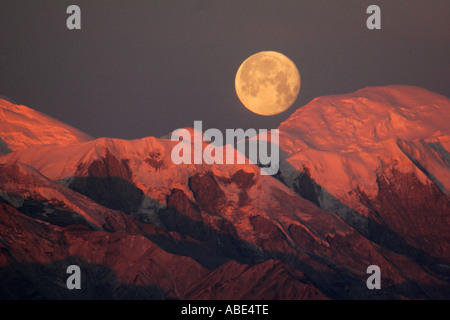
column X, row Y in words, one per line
column 342, row 201
column 23, row 127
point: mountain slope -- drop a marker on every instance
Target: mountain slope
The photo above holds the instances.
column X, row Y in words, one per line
column 22, row 127
column 379, row 154
column 357, row 133
column 363, row 181
column 222, row 213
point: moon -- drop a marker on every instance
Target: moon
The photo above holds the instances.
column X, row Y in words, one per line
column 267, row 83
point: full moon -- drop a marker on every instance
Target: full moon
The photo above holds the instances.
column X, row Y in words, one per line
column 267, row 83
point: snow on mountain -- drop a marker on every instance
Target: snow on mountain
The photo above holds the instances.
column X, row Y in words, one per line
column 32, row 193
column 144, row 166
column 364, row 180
column 355, row 135
column 22, row 127
column 144, row 162
column 356, row 151
column 231, row 211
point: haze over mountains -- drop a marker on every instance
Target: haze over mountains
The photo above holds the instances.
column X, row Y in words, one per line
column 364, row 180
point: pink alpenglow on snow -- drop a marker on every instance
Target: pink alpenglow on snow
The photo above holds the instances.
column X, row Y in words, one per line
column 231, row 150
column 22, row 127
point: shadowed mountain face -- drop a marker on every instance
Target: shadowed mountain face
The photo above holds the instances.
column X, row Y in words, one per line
column 363, row 181
column 4, row 149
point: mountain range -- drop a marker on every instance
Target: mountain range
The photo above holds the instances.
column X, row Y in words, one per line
column 364, row 180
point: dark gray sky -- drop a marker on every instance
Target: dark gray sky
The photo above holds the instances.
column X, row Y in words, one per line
column 145, row 68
